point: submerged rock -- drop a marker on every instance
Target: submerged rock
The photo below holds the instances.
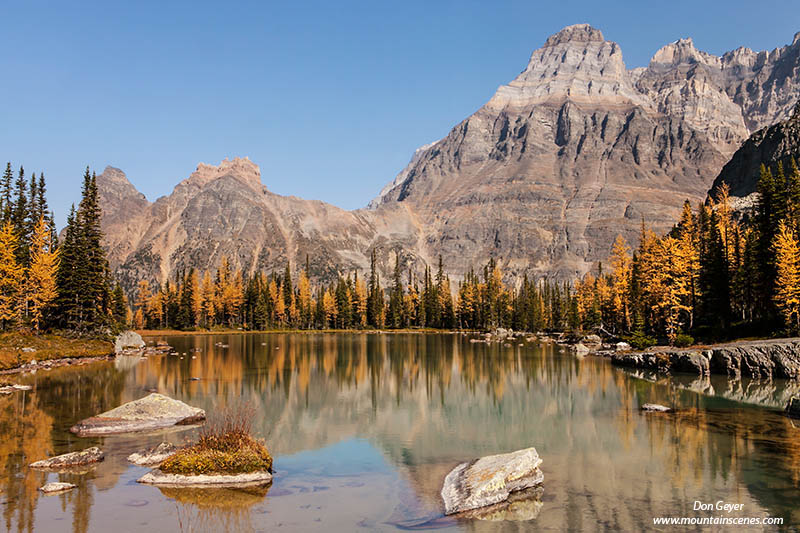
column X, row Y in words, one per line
column 153, row 456
column 157, row 477
column 520, row 506
column 655, row 408
column 490, row 480
column 128, row 339
column 793, row 408
column 81, row 458
column 154, row 411
column 54, row 487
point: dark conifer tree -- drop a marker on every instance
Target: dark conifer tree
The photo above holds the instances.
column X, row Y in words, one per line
column 95, row 294
column 374, row 296
column 69, row 275
column 395, row 317
column 6, row 195
column 185, row 318
column 119, row 307
column 19, row 217
column 287, row 286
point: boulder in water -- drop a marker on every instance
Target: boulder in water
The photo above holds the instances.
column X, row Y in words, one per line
column 153, row 456
column 580, row 349
column 154, row 411
column 82, row 458
column 655, row 408
column 127, row 340
column 490, row 480
column 162, row 479
column 56, row 487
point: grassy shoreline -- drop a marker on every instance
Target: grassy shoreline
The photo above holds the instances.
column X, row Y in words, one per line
column 15, row 348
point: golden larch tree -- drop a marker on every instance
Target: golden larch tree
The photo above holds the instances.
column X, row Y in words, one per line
column 143, row 296
column 39, row 288
column 304, row 299
column 674, row 295
column 329, row 307
column 209, row 298
column 360, row 302
column 621, row 282
column 10, row 274
column 787, row 282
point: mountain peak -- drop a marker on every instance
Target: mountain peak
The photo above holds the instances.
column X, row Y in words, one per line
column 683, row 52
column 113, row 174
column 575, row 64
column 577, row 33
column 114, row 179
column 239, row 167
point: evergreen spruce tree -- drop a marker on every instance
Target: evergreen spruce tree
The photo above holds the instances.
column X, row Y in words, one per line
column 375, row 316
column 286, row 285
column 33, row 203
column 185, row 318
column 119, row 309
column 95, row 294
column 84, row 300
column 6, row 187
column 395, row 317
column 69, row 275
column 19, row 217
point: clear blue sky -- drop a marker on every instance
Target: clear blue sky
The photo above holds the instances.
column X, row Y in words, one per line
column 329, row 98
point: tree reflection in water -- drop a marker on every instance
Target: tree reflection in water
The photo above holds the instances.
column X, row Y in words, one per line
column 207, row 509
column 420, row 403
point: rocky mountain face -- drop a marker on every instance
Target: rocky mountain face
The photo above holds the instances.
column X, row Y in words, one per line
column 777, row 143
column 225, row 210
column 574, row 151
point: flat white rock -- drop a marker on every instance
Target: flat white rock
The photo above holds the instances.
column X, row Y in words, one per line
column 157, row 477
column 52, row 488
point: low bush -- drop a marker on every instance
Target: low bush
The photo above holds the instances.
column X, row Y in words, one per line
column 640, row 341
column 683, row 340
column 225, row 446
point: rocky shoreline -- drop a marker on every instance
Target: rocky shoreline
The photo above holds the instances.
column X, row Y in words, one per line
column 764, row 359
column 47, row 364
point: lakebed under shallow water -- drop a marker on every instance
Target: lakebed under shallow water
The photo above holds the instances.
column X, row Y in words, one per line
column 364, row 428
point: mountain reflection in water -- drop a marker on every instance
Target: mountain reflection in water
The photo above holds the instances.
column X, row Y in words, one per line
column 364, row 428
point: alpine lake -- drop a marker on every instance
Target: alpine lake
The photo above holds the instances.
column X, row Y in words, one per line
column 365, row 426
